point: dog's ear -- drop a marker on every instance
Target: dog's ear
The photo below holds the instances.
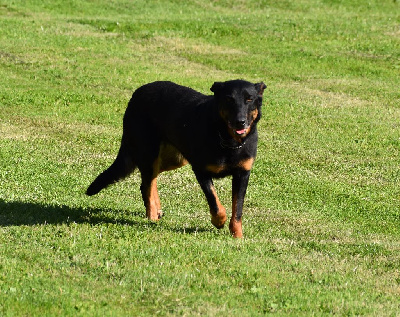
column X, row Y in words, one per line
column 260, row 88
column 217, row 86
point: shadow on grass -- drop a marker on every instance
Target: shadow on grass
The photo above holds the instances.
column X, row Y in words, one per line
column 29, row 214
column 24, row 213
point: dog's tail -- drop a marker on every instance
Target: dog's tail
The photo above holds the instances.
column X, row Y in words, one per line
column 122, row 167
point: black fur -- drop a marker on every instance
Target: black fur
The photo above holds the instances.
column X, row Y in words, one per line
column 167, row 125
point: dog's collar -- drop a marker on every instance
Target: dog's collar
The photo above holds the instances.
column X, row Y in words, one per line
column 227, row 144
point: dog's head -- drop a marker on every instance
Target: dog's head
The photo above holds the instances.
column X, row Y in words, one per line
column 239, row 105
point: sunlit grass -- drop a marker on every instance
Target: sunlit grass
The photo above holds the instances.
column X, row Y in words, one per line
column 321, row 217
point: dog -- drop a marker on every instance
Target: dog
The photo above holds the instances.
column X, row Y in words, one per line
column 166, row 126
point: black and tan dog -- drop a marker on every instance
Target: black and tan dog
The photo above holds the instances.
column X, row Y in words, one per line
column 166, row 126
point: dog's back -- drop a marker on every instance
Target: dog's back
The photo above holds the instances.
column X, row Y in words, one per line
column 161, row 99
column 173, row 113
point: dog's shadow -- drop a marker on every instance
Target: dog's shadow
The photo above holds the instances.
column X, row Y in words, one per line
column 30, row 214
column 25, row 213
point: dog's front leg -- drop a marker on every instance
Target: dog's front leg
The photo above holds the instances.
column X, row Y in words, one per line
column 218, row 212
column 240, row 179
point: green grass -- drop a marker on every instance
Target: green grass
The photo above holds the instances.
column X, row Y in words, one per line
column 322, row 213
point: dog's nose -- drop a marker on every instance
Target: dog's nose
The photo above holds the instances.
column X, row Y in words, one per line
column 241, row 123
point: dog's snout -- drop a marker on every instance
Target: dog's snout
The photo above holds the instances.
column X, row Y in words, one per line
column 241, row 123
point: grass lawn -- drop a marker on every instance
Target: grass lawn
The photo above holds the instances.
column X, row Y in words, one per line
column 322, row 213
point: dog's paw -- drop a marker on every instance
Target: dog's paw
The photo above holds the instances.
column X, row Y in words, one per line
column 235, row 227
column 218, row 220
column 153, row 214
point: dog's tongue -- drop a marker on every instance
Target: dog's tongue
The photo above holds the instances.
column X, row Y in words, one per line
column 241, row 131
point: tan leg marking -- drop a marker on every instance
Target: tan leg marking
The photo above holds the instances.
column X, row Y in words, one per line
column 235, row 227
column 219, row 219
column 168, row 159
column 153, row 209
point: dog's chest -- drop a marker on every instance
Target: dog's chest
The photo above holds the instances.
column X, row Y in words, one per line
column 226, row 167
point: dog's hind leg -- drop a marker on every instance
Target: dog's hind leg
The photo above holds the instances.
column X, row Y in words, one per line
column 151, row 200
column 148, row 163
column 122, row 167
column 156, row 158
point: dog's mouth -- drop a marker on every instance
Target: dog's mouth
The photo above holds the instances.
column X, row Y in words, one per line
column 241, row 131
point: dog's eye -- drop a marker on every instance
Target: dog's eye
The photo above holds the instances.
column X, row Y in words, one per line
column 248, row 100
